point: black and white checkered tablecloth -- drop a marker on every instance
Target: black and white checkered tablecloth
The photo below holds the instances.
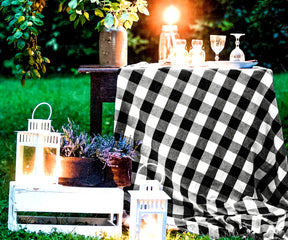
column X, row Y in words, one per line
column 218, row 137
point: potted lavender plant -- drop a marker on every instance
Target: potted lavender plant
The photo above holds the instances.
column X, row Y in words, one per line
column 94, row 161
column 78, row 168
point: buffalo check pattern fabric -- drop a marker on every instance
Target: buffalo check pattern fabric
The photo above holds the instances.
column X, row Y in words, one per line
column 217, row 136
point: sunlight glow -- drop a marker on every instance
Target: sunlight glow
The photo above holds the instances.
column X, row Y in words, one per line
column 171, row 15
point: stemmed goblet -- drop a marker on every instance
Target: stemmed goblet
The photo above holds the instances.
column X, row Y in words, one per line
column 217, row 44
column 237, row 54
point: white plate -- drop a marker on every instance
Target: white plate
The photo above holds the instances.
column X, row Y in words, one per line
column 232, row 64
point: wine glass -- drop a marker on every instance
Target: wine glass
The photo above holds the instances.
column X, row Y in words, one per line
column 237, row 54
column 217, row 44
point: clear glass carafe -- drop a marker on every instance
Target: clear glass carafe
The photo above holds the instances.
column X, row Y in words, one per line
column 168, row 37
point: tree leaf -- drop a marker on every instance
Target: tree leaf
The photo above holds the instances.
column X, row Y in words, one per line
column 21, row 19
column 124, row 16
column 73, row 16
column 73, row 4
column 18, row 34
column 43, row 67
column 46, row 60
column 76, row 22
column 6, row 3
column 100, row 25
column 109, row 20
column 37, row 21
column 143, row 9
column 31, row 61
column 26, row 35
column 24, row 25
column 127, row 24
column 86, row 15
column 35, row 73
column 34, row 30
column 133, row 17
column 21, row 44
column 11, row 23
column 99, row 13
column 19, row 55
column 82, row 20
column 10, row 39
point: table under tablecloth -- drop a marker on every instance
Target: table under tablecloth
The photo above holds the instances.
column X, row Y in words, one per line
column 216, row 133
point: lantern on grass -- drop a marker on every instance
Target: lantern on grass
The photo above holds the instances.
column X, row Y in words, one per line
column 38, row 152
column 148, row 211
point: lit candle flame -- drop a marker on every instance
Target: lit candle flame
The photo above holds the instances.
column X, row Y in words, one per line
column 149, row 227
column 171, row 15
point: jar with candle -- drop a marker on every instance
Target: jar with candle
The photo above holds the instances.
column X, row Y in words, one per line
column 180, row 52
column 168, row 37
column 196, row 54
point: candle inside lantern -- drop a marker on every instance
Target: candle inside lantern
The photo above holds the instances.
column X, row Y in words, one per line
column 148, row 228
column 168, row 35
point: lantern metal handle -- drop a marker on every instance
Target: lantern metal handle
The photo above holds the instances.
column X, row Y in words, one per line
column 39, row 106
column 145, row 165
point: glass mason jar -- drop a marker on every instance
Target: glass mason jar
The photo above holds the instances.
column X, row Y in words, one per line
column 168, row 37
column 113, row 44
column 180, row 53
column 197, row 54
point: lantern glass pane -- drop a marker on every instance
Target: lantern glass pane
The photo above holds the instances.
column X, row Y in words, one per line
column 151, row 226
column 28, row 160
column 49, row 156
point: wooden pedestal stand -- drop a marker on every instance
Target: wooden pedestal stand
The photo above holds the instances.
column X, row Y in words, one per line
column 81, row 210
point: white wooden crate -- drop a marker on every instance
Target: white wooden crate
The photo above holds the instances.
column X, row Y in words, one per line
column 52, row 199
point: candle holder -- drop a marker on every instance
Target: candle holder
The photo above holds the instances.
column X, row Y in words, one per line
column 38, row 152
column 148, row 211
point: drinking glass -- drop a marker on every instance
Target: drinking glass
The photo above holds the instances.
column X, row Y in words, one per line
column 217, row 44
column 237, row 54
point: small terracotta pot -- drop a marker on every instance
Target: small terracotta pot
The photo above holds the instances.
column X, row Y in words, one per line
column 90, row 172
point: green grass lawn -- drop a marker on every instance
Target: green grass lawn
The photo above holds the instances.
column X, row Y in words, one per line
column 69, row 98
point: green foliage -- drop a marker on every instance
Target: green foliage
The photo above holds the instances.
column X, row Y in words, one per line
column 105, row 13
column 137, row 43
column 24, row 19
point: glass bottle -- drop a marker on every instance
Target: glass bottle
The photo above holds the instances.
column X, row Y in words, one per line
column 196, row 54
column 168, row 37
column 180, row 53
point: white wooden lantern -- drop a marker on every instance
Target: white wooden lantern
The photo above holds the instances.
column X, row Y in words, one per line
column 38, row 152
column 148, row 212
